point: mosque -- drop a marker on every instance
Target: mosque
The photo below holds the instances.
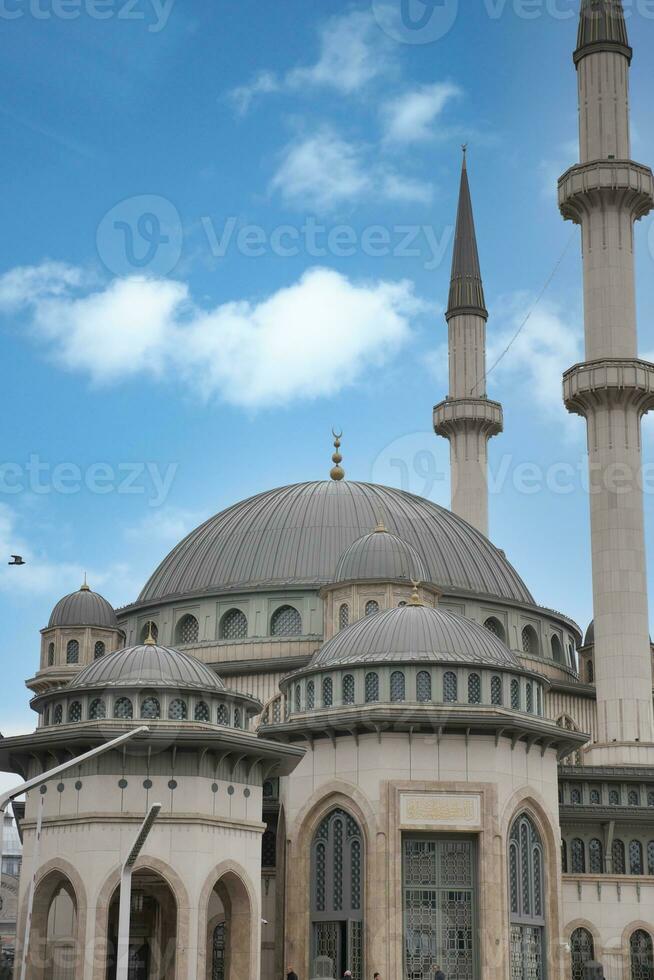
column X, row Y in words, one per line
column 373, row 749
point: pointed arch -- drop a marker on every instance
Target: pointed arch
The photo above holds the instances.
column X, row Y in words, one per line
column 242, row 916
column 52, row 877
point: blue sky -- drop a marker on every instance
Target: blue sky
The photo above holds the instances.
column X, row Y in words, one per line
column 226, row 227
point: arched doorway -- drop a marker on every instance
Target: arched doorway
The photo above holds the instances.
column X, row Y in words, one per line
column 153, row 929
column 526, row 901
column 582, row 951
column 229, row 939
column 641, row 951
column 54, row 949
column 337, row 897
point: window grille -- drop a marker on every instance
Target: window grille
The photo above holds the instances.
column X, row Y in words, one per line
column 234, row 625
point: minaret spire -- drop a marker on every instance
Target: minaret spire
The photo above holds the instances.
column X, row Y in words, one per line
column 612, row 389
column 466, row 417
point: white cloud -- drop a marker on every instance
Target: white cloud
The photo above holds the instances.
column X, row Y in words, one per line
column 308, row 340
column 549, row 343
column 353, row 52
column 324, row 171
column 410, row 118
column 551, row 169
column 165, row 526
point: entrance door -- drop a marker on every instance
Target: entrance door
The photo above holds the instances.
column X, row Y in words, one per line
column 439, row 884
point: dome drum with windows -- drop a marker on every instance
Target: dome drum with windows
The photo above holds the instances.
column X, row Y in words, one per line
column 147, row 683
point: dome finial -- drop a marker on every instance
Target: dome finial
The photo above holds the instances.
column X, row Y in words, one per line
column 337, row 473
column 85, row 585
column 381, row 527
column 150, row 640
column 415, row 599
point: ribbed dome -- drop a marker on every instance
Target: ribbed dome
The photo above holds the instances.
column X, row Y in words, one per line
column 295, row 535
column 415, row 633
column 83, row 608
column 380, row 555
column 590, row 634
column 148, row 665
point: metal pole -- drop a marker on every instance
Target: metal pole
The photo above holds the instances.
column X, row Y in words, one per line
column 124, row 916
column 25, row 787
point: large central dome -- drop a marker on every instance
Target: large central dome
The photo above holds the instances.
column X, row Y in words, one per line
column 295, row 535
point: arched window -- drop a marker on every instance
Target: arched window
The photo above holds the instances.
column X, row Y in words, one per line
column 75, row 711
column 474, row 689
column 298, row 698
column 450, row 686
column 372, row 688
column 577, row 857
column 268, row 848
column 494, row 626
column 372, row 607
column 530, row 697
column 635, row 858
column 575, row 795
column 188, row 630
column 557, row 650
column 642, row 955
column 58, row 715
column 526, row 901
column 348, row 689
column 344, row 616
column 286, row 621
column 590, row 672
column 515, row 695
column 398, row 686
column 223, row 713
column 123, row 708
column 650, row 798
column 595, row 797
column 150, row 708
column 177, row 710
column 564, row 857
column 337, row 893
column 327, row 692
column 72, row 652
column 218, row 952
column 277, row 712
column 530, row 641
column 423, row 686
column 150, row 629
column 633, row 797
column 234, row 625
column 202, row 712
column 650, row 858
column 237, row 717
column 97, row 710
column 582, row 951
column 51, row 655
column 595, row 857
column 311, row 696
column 619, row 860
column 497, row 697
column 98, row 650
column 614, row 797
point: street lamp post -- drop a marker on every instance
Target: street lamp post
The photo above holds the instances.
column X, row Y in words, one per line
column 124, row 911
column 6, row 798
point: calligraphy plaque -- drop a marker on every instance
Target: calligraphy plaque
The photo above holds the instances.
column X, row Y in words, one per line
column 447, row 810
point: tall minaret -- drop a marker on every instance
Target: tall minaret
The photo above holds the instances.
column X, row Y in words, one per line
column 467, row 418
column 605, row 194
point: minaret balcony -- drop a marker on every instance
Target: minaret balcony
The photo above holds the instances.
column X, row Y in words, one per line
column 617, row 183
column 457, row 414
column 617, row 383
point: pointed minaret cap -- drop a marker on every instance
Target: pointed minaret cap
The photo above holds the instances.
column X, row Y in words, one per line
column 602, row 27
column 466, row 288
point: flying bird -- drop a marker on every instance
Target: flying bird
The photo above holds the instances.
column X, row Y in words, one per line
column 16, row 560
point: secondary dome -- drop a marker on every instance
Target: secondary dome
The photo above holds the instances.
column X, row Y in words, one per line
column 294, row 536
column 415, row 633
column 83, row 608
column 148, row 665
column 383, row 556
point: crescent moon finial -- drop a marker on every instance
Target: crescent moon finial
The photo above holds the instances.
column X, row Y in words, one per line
column 337, row 473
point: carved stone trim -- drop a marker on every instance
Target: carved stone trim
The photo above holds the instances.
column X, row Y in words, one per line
column 457, row 414
column 621, row 183
column 619, row 383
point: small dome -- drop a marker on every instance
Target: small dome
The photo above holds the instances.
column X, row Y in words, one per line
column 148, row 665
column 83, row 608
column 380, row 556
column 415, row 633
column 589, row 639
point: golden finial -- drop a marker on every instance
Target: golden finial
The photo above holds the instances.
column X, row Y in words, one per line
column 415, row 599
column 337, row 473
column 150, row 640
column 85, row 586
